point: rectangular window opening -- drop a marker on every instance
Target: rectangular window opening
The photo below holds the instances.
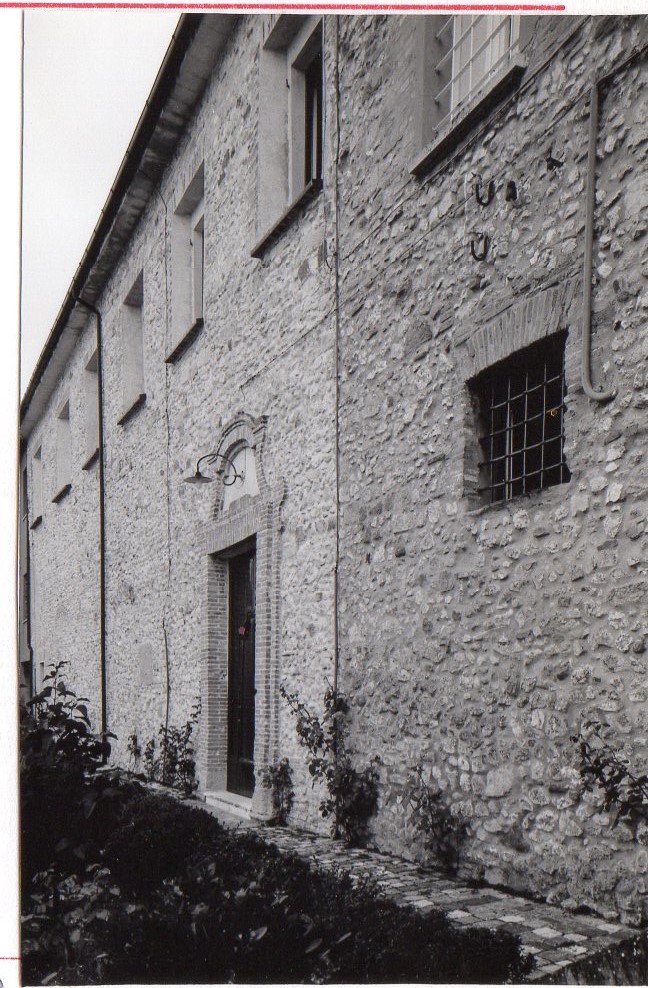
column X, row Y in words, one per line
column 91, row 382
column 291, row 123
column 467, row 63
column 521, row 403
column 481, row 47
column 133, row 393
column 198, row 266
column 187, row 265
column 63, row 452
column 37, row 486
column 313, row 78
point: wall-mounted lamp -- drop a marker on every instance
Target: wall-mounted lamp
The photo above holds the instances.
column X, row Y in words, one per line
column 229, row 478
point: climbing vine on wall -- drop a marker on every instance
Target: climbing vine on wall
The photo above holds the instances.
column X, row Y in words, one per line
column 169, row 758
column 604, row 769
column 352, row 794
column 443, row 831
column 278, row 779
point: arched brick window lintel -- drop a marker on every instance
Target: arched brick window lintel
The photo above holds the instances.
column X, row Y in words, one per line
column 244, row 430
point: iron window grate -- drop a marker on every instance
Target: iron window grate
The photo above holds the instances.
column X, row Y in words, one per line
column 477, row 47
column 522, row 403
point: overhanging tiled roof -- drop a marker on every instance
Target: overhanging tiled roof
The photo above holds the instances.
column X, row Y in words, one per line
column 180, row 82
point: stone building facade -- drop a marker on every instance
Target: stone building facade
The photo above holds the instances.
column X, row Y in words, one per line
column 349, row 257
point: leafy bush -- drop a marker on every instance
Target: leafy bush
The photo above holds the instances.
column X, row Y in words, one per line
column 170, row 760
column 134, row 753
column 602, row 767
column 244, row 912
column 66, row 805
column 278, row 779
column 129, row 887
column 352, row 794
column 57, row 732
column 252, row 914
column 154, row 838
column 443, row 831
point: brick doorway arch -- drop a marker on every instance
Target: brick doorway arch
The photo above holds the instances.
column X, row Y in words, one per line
column 238, row 523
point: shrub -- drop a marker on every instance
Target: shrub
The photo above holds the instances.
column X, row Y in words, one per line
column 134, row 752
column 443, row 831
column 352, row 793
column 602, row 767
column 244, row 912
column 135, row 887
column 154, row 838
column 170, row 760
column 278, row 779
column 239, row 910
column 66, row 805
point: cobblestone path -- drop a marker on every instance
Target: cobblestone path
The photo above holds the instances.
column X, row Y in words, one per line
column 559, row 941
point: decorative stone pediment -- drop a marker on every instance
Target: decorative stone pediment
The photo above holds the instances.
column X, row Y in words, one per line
column 242, row 443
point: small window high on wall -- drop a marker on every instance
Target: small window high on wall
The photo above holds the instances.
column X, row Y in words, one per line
column 466, row 64
column 133, row 393
column 480, row 47
column 313, row 96
column 36, row 492
column 187, row 266
column 91, row 398
column 291, row 121
column 63, row 453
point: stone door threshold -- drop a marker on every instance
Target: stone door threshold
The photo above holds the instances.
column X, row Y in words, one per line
column 229, row 803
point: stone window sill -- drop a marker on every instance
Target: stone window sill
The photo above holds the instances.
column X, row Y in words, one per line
column 36, row 522
column 92, row 459
column 447, row 139
column 64, row 491
column 529, row 500
column 305, row 196
column 131, row 409
column 179, row 348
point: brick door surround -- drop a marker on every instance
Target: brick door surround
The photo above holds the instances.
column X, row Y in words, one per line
column 250, row 517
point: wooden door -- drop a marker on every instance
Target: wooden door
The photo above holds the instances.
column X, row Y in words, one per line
column 241, row 689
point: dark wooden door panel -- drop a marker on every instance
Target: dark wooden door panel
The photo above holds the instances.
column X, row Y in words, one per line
column 241, row 679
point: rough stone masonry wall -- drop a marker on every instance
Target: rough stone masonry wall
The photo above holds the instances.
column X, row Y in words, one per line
column 476, row 639
column 265, row 349
column 64, row 558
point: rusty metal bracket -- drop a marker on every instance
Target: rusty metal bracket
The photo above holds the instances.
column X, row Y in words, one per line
column 481, row 255
column 490, row 195
column 552, row 163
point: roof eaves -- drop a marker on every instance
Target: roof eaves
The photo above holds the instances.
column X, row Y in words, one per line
column 167, row 86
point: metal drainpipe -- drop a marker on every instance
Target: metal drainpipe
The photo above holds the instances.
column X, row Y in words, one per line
column 586, row 371
column 27, row 595
column 336, row 601
column 102, row 522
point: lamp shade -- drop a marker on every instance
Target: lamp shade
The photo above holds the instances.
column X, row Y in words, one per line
column 198, row 478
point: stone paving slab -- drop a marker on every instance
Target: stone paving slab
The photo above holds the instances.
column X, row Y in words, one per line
column 558, row 941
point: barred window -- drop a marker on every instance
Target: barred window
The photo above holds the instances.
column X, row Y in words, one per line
column 467, row 63
column 521, row 403
column 477, row 47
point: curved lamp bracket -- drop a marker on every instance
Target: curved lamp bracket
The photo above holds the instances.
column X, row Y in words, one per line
column 229, row 478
